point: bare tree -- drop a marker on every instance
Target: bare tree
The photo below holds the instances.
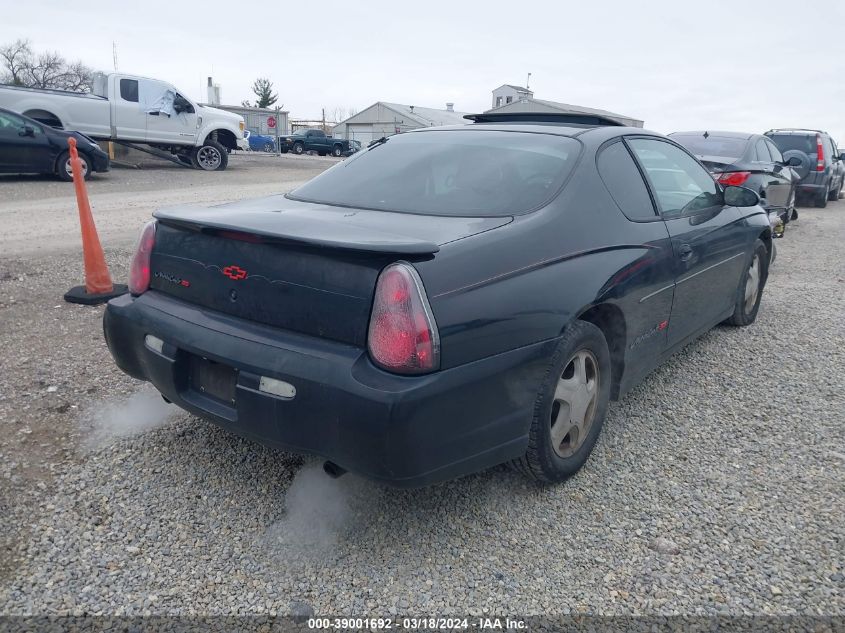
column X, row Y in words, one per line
column 47, row 70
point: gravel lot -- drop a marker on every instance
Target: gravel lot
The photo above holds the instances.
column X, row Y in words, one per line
column 716, row 487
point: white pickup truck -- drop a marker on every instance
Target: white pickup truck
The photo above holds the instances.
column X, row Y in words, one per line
column 136, row 110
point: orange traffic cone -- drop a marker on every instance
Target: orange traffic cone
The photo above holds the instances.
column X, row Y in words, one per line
column 98, row 286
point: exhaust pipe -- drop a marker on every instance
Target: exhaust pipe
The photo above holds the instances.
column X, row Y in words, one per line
column 333, row 470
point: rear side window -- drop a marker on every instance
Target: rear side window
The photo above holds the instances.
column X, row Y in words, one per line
column 679, row 183
column 802, row 142
column 129, row 90
column 623, row 180
column 763, row 155
column 775, row 152
column 455, row 173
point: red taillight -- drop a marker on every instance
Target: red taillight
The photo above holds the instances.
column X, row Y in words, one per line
column 139, row 272
column 733, row 178
column 403, row 337
column 819, row 153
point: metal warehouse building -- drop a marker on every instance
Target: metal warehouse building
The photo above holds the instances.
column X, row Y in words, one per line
column 384, row 119
column 530, row 104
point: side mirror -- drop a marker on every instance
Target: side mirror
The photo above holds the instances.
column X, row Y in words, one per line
column 842, row 156
column 793, row 161
column 27, row 131
column 740, row 197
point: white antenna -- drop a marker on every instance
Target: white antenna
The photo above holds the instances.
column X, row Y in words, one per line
column 114, row 54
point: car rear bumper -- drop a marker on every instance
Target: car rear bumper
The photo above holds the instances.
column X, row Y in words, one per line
column 405, row 431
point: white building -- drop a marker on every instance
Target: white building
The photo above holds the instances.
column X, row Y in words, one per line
column 384, row 119
column 508, row 93
column 529, row 104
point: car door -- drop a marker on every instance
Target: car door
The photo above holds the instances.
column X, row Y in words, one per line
column 838, row 165
column 24, row 147
column 783, row 174
column 130, row 119
column 775, row 188
column 708, row 239
column 171, row 118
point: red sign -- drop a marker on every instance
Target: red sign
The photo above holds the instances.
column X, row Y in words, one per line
column 271, row 122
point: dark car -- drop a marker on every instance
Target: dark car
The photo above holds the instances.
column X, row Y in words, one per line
column 821, row 169
column 317, row 141
column 261, row 142
column 747, row 160
column 446, row 300
column 30, row 147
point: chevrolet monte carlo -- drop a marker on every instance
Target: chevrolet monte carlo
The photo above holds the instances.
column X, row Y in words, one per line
column 446, row 300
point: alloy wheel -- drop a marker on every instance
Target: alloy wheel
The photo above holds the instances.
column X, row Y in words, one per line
column 752, row 284
column 208, row 158
column 574, row 406
column 69, row 168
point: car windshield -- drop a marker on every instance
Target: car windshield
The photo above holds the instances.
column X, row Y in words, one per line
column 725, row 146
column 455, row 172
column 803, row 142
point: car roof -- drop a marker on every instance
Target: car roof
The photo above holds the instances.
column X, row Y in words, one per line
column 797, row 131
column 573, row 130
column 716, row 133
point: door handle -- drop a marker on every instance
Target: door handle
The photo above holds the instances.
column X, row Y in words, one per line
column 685, row 252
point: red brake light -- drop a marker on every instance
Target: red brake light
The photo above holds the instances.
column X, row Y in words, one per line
column 819, row 153
column 139, row 271
column 733, row 178
column 403, row 337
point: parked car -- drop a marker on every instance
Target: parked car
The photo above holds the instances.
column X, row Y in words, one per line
column 139, row 110
column 28, row 147
column 316, row 141
column 446, row 300
column 821, row 169
column 747, row 160
column 261, row 142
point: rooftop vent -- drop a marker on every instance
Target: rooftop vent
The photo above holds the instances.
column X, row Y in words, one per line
column 450, row 107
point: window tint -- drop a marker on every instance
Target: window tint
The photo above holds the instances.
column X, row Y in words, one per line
column 775, row 152
column 804, row 142
column 679, row 183
column 726, row 146
column 468, row 172
column 624, row 182
column 763, row 155
column 129, row 90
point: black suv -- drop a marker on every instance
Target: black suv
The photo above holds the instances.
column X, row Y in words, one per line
column 822, row 170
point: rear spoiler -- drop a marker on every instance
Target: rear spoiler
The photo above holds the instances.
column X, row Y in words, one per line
column 308, row 229
column 543, row 117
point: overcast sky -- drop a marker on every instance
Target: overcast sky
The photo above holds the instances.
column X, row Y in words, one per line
column 677, row 64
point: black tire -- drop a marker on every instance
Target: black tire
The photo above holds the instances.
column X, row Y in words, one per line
column 298, row 148
column 337, row 151
column 269, row 147
column 210, row 156
column 745, row 309
column 62, row 168
column 542, row 461
column 794, row 215
column 834, row 194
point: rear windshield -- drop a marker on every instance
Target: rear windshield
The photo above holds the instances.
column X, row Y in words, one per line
column 712, row 145
column 804, row 142
column 456, row 173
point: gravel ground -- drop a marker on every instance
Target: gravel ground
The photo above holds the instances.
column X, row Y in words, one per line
column 716, row 487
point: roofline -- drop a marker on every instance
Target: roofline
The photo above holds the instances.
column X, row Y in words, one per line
column 595, row 120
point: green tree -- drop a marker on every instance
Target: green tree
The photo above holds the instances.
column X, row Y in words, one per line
column 263, row 89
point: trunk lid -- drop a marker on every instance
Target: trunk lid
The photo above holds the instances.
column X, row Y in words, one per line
column 299, row 266
column 718, row 163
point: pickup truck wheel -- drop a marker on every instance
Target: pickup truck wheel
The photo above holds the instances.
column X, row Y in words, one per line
column 337, row 151
column 298, row 148
column 211, row 156
column 64, row 170
column 570, row 406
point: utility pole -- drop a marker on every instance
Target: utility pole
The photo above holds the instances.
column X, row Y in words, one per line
column 278, row 145
column 528, row 81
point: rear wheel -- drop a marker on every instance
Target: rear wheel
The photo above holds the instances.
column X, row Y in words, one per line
column 210, row 156
column 835, row 192
column 65, row 171
column 337, row 151
column 570, row 406
column 751, row 285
